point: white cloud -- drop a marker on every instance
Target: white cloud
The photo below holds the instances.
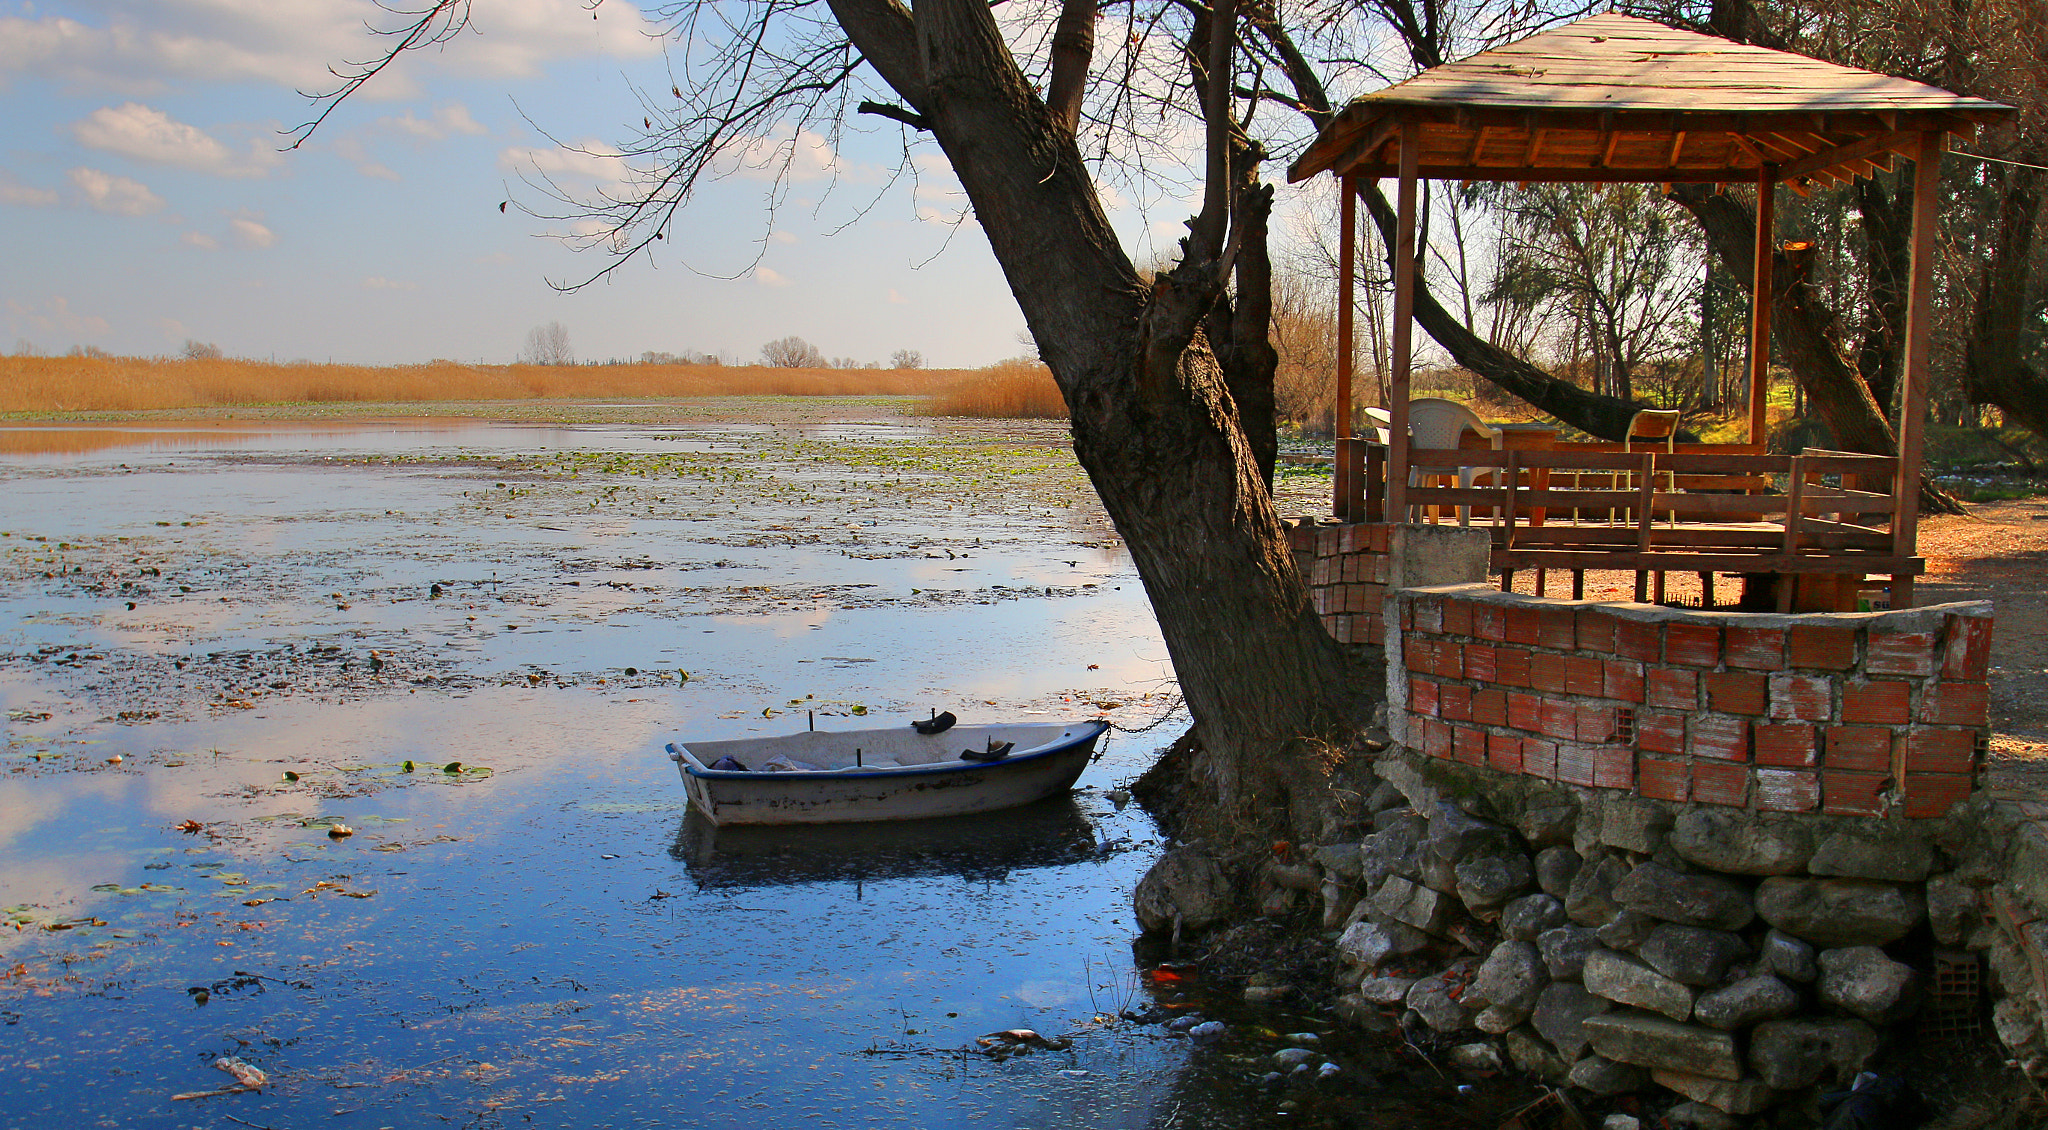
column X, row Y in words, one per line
column 591, row 161
column 351, row 149
column 781, row 236
column 250, row 232
column 172, row 327
column 452, row 118
column 143, row 133
column 803, row 156
column 201, row 240
column 767, row 277
column 23, row 195
column 379, row 282
column 146, row 48
column 119, row 196
column 896, row 298
column 56, row 316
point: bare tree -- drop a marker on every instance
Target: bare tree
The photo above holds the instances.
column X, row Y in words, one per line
column 792, row 352
column 548, row 345
column 906, row 359
column 200, row 350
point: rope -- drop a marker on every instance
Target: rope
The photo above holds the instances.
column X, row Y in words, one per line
column 1999, row 160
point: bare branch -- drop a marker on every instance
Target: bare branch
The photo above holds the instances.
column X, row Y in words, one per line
column 438, row 22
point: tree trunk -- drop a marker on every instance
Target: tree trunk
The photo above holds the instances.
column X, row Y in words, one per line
column 1154, row 422
column 1992, row 365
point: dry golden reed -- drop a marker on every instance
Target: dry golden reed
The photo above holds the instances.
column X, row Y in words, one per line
column 1014, row 389
column 120, row 384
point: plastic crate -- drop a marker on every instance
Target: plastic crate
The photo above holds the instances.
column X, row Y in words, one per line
column 1551, row 1112
column 1954, row 998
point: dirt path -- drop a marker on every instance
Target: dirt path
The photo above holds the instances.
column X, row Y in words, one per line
column 2000, row 553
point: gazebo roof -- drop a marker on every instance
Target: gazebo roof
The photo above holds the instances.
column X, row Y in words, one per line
column 1616, row 98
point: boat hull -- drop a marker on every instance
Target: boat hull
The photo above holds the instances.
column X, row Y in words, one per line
column 897, row 792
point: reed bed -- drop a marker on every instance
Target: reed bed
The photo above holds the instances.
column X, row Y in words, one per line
column 1009, row 390
column 125, row 384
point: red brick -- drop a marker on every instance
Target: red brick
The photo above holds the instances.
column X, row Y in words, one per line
column 1547, row 674
column 1421, row 697
column 1793, row 745
column 1672, row 688
column 1638, row 639
column 1724, row 737
column 1828, row 647
column 1575, row 764
column 1622, row 679
column 1418, row 652
column 1454, row 702
column 1809, row 698
column 1319, row 599
column 1511, row 667
column 1583, row 675
column 1560, row 719
column 1436, row 738
column 1659, row 779
column 1596, row 724
column 1933, row 794
column 1328, row 540
column 1846, row 792
column 1457, row 616
column 1450, row 660
column 1319, row 573
column 1351, row 537
column 1736, row 692
column 1940, row 750
column 1524, row 624
column 1479, row 662
column 1504, row 753
column 1614, row 767
column 1490, row 707
column 1755, row 649
column 1660, row 733
column 1539, row 758
column 1901, row 653
column 1720, row 783
column 1882, row 702
column 1966, row 647
column 1692, row 645
column 1525, row 711
column 1955, row 704
column 1408, row 617
column 1369, row 597
column 1557, row 628
column 1468, row 745
column 1378, row 535
column 1595, row 631
column 1372, row 630
column 1489, row 622
column 1859, row 747
column 1787, row 790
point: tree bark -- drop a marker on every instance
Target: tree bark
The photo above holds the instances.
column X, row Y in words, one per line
column 1155, row 423
column 1993, row 367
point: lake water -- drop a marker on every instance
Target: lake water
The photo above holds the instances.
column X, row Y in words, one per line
column 469, row 642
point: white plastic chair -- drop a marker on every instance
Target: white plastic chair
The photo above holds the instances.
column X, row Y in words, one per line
column 1382, row 421
column 1436, row 424
column 1650, row 427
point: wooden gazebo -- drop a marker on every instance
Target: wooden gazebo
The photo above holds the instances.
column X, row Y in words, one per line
column 1613, row 99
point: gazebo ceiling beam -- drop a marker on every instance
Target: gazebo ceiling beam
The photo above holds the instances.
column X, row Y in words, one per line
column 1862, row 149
column 1567, row 174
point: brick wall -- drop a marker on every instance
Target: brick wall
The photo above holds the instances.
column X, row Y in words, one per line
column 1853, row 714
column 1347, row 568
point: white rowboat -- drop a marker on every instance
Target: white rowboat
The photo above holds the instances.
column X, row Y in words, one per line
column 882, row 774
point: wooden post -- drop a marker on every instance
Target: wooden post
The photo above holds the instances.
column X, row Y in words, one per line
column 1404, row 323
column 1346, row 343
column 1760, row 305
column 1919, row 334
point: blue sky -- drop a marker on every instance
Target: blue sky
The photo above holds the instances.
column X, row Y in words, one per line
column 143, row 199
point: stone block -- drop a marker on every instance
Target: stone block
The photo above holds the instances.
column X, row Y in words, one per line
column 1877, row 853
column 1653, row 1041
column 1863, row 980
column 1431, row 999
column 1345, row 861
column 1693, row 900
column 1385, row 990
column 1746, row 1002
column 1606, row 1077
column 1485, row 883
column 1185, row 889
column 1749, row 1095
column 1560, row 1014
column 1693, row 955
column 1565, row 950
column 1790, row 1054
column 1590, row 900
column 1627, row 930
column 1393, row 850
column 1634, row 825
column 1789, row 957
column 1511, row 977
column 1628, row 980
column 1544, row 825
column 1952, row 909
column 1556, row 866
column 1741, row 842
column 1373, row 944
column 1531, row 1053
column 1690, row 1115
column 1840, row 912
column 1526, row 917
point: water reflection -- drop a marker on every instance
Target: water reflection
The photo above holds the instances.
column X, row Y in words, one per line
column 981, row 848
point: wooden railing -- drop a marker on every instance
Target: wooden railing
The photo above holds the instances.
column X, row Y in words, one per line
column 1700, row 508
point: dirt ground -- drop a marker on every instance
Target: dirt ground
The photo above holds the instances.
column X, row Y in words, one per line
column 1999, row 553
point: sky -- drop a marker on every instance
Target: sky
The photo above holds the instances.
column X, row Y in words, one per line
column 146, row 199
